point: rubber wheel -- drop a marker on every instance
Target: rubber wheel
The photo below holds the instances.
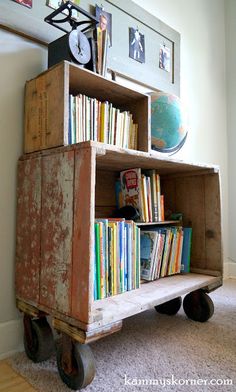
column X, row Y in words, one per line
column 170, row 307
column 198, row 306
column 83, row 371
column 41, row 346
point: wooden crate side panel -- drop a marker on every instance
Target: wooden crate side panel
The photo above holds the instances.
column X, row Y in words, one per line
column 141, row 115
column 105, row 187
column 28, row 230
column 45, row 120
column 168, row 190
column 57, row 229
column 190, row 200
column 83, row 236
column 214, row 258
column 32, row 129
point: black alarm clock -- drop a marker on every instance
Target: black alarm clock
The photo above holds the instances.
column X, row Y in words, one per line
column 73, row 46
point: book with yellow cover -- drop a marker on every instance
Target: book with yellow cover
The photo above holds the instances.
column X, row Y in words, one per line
column 158, row 189
column 145, row 200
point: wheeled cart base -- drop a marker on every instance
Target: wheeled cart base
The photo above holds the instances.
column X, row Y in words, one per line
column 75, row 361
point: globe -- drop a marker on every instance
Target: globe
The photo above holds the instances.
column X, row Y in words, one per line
column 168, row 124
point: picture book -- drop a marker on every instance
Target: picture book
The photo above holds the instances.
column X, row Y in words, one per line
column 148, row 242
column 131, row 188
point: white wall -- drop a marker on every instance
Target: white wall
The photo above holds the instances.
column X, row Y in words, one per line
column 203, row 89
column 230, row 13
column 201, row 24
column 20, row 60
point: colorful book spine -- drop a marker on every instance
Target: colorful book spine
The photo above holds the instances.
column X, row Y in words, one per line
column 98, row 260
column 129, row 226
column 173, row 251
column 179, row 251
column 186, row 252
column 158, row 189
column 95, row 290
column 144, row 193
column 117, row 257
column 154, row 196
column 137, row 257
column 134, row 250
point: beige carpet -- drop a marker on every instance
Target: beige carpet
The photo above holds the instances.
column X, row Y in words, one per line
column 157, row 349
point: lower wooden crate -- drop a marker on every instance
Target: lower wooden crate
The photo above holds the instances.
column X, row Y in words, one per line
column 62, row 191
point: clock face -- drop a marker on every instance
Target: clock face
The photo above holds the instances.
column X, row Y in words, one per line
column 79, row 47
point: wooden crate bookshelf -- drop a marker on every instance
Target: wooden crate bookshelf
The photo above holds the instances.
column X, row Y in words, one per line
column 47, row 104
column 61, row 191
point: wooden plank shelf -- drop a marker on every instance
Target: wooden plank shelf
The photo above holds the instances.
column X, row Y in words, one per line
column 167, row 222
column 148, row 295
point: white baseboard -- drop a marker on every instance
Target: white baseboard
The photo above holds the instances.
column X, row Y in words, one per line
column 11, row 338
column 230, row 269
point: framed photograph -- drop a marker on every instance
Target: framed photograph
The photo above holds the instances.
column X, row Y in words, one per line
column 26, row 3
column 105, row 22
column 136, row 45
column 164, row 58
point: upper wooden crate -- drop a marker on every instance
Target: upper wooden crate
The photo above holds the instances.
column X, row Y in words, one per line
column 47, row 104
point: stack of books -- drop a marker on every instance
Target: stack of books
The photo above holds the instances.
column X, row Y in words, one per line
column 91, row 119
column 142, row 190
column 116, row 257
column 165, row 251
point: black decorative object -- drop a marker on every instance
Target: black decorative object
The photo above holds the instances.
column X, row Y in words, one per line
column 128, row 212
column 74, row 45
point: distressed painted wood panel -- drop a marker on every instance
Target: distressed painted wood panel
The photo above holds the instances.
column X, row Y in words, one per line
column 28, row 230
column 83, row 237
column 56, row 231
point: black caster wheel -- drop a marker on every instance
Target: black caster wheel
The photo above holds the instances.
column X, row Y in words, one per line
column 171, row 307
column 198, row 306
column 38, row 339
column 81, row 370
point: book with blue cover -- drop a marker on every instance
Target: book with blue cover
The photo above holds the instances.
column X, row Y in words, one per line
column 186, row 251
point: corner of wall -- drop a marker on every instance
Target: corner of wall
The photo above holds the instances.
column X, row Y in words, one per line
column 11, row 333
column 229, row 269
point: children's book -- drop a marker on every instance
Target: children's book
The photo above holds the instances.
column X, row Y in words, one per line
column 148, row 243
column 186, row 251
column 131, row 188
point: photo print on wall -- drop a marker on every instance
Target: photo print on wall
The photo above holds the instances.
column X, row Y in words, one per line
column 26, row 3
column 105, row 22
column 164, row 58
column 136, row 45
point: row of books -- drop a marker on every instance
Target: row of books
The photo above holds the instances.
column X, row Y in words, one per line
column 117, row 257
column 165, row 251
column 91, row 119
column 142, row 190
